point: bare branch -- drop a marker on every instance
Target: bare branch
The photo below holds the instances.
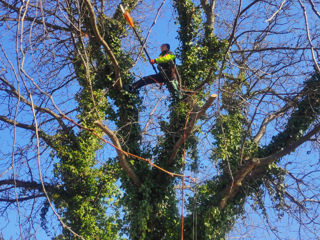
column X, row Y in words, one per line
column 44, row 110
column 21, row 199
column 235, row 24
column 209, row 11
column 249, row 6
column 308, row 35
column 273, row 116
column 276, row 12
column 47, row 138
column 292, row 199
column 31, row 19
column 150, row 116
column 314, row 8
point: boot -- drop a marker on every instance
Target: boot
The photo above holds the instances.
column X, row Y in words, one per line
column 177, row 93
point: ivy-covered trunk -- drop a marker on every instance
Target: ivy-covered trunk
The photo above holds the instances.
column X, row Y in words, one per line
column 106, row 183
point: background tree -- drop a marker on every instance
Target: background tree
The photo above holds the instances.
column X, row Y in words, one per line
column 77, row 146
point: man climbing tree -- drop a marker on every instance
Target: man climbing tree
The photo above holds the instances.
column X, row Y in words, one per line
column 167, row 72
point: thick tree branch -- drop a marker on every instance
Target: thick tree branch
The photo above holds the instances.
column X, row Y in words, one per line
column 256, row 166
column 18, row 124
column 47, row 138
column 28, row 185
column 274, row 49
column 193, row 119
column 105, row 45
column 209, row 11
column 267, row 160
column 122, row 158
column 21, row 199
column 22, row 99
column 232, row 189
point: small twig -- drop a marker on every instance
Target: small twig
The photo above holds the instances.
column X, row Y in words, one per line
column 273, row 15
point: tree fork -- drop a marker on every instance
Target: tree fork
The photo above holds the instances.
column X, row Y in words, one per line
column 122, row 160
column 193, row 119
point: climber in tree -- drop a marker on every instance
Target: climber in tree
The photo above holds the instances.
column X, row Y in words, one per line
column 167, row 72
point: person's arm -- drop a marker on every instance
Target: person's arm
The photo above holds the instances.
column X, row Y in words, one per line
column 165, row 58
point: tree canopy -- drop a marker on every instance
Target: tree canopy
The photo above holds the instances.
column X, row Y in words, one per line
column 84, row 158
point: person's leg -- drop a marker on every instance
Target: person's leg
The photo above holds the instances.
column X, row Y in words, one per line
column 174, row 89
column 155, row 78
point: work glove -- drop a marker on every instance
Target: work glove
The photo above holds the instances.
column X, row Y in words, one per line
column 152, row 61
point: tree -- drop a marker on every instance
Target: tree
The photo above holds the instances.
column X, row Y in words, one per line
column 99, row 172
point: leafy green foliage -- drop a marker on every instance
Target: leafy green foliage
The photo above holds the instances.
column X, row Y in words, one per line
column 307, row 111
column 231, row 145
column 199, row 54
column 88, row 190
column 232, row 149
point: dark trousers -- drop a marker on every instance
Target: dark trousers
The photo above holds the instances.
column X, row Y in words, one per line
column 171, row 84
column 155, row 78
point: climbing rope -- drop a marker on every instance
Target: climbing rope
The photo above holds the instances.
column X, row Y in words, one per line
column 183, row 168
column 125, row 152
